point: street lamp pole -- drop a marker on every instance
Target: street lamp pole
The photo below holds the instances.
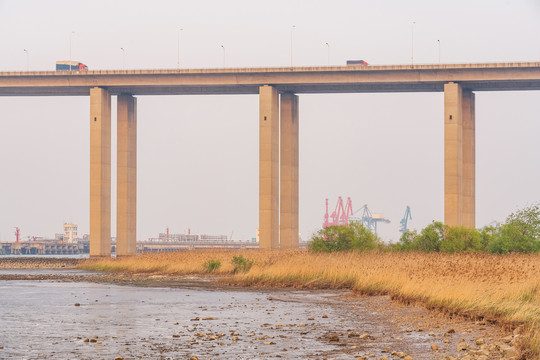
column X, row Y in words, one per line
column 292, row 28
column 70, row 41
column 328, row 46
column 123, row 58
column 178, row 62
column 439, row 42
column 223, row 47
column 27, row 60
column 412, row 43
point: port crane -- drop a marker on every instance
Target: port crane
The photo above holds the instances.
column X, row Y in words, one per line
column 340, row 215
column 403, row 221
column 370, row 220
column 343, row 214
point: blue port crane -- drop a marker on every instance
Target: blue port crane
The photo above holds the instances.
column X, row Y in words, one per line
column 403, row 221
column 369, row 220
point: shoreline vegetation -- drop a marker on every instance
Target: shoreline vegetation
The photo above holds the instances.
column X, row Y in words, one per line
column 503, row 289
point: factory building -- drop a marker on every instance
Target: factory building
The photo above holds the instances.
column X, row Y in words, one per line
column 70, row 233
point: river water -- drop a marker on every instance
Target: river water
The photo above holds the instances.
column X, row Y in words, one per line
column 39, row 320
column 83, row 320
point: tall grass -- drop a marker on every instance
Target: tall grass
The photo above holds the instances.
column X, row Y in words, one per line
column 504, row 288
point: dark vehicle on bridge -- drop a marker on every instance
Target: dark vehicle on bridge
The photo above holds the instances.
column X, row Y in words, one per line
column 70, row 66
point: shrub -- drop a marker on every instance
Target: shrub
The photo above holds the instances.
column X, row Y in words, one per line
column 362, row 238
column 460, row 239
column 487, row 234
column 242, row 264
column 520, row 232
column 344, row 237
column 406, row 241
column 212, row 265
column 430, row 237
column 332, row 238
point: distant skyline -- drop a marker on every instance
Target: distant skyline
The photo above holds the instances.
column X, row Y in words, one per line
column 383, row 150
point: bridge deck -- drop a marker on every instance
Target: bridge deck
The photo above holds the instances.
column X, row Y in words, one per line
column 326, row 79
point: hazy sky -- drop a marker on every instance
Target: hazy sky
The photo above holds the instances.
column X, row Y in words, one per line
column 198, row 155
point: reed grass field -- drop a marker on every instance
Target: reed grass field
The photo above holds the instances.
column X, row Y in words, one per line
column 499, row 288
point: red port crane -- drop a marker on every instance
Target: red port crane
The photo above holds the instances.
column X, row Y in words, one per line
column 340, row 215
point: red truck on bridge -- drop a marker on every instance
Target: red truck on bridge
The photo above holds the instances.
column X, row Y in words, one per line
column 66, row 65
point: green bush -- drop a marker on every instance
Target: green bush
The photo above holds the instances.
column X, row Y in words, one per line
column 363, row 239
column 406, row 241
column 344, row 237
column 460, row 239
column 430, row 237
column 331, row 238
column 439, row 237
column 487, row 234
column 241, row 264
column 212, row 265
column 520, row 232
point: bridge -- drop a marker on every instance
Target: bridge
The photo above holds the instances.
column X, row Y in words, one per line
column 278, row 90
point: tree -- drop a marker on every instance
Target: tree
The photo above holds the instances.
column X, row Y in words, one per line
column 406, row 241
column 344, row 237
column 362, row 238
column 459, row 239
column 488, row 233
column 430, row 237
column 520, row 232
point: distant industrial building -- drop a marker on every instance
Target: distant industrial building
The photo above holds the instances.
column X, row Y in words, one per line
column 70, row 233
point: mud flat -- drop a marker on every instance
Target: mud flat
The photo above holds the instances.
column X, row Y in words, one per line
column 88, row 315
column 16, row 262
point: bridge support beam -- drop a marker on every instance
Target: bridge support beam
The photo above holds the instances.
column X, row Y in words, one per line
column 268, row 167
column 100, row 172
column 288, row 236
column 126, row 193
column 459, row 156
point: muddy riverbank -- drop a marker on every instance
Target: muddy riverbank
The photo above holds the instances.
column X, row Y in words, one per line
column 19, row 262
column 86, row 315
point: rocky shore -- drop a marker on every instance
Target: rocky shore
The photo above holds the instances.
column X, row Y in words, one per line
column 38, row 263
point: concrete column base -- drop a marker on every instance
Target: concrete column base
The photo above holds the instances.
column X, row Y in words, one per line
column 100, row 172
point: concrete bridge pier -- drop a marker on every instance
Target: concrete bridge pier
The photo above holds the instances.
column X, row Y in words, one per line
column 268, row 167
column 278, row 169
column 288, row 237
column 126, row 204
column 459, row 156
column 100, row 172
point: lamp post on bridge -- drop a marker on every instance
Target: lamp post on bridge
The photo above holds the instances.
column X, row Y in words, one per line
column 123, row 58
column 439, row 43
column 292, row 28
column 412, row 43
column 178, row 61
column 328, row 46
column 70, row 41
column 27, row 60
column 223, row 47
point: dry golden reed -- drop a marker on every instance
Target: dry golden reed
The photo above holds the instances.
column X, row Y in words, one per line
column 503, row 288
